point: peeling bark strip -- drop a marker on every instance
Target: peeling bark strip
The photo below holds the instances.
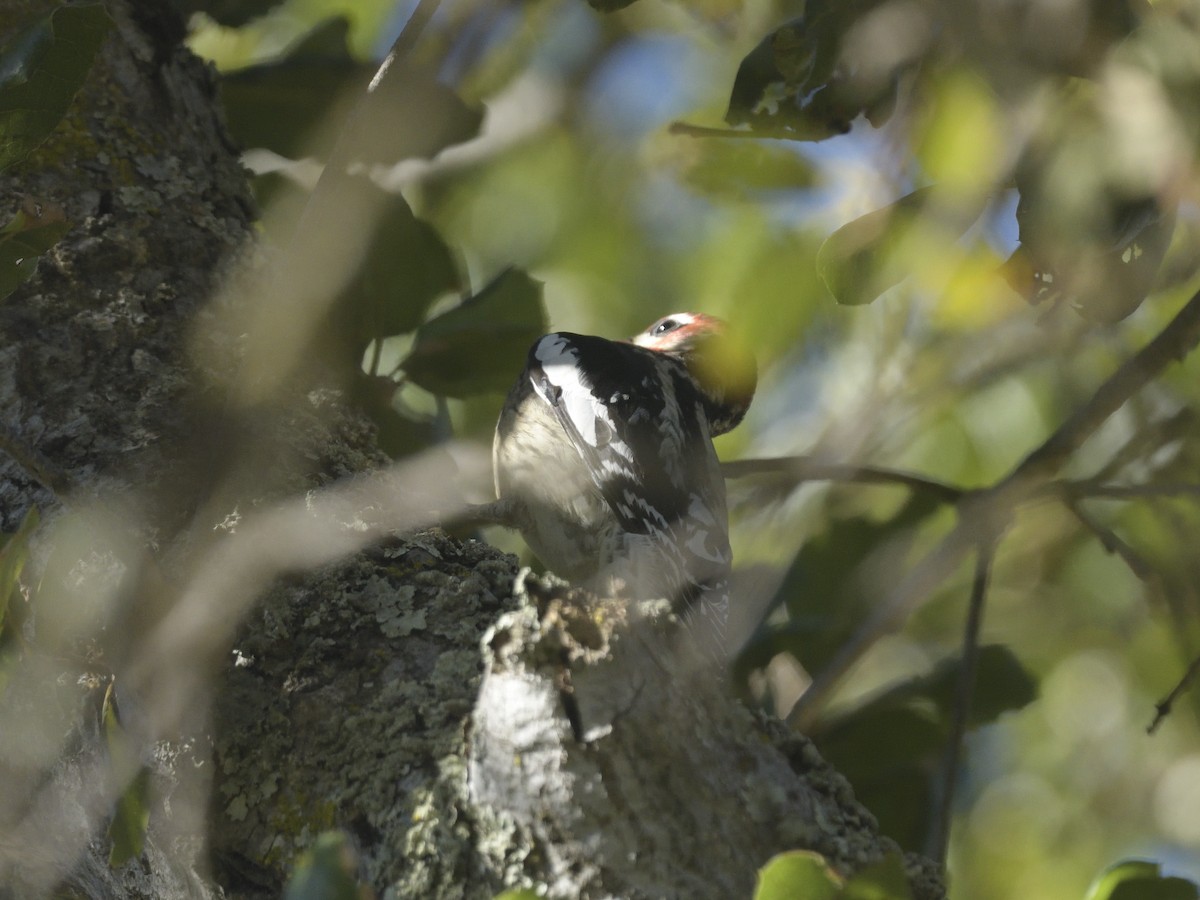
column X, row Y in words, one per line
column 561, row 754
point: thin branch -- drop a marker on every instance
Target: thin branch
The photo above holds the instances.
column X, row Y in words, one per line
column 1112, row 543
column 805, row 468
column 984, row 515
column 408, row 37
column 1162, row 708
column 939, row 838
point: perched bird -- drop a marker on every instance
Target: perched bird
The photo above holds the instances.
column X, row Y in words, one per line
column 604, row 460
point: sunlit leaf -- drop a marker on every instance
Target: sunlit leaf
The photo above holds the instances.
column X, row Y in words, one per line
column 278, row 105
column 884, row 880
column 42, row 70
column 521, row 894
column 1138, row 879
column 326, row 871
column 481, row 344
column 230, row 13
column 737, row 167
column 798, row 873
column 25, row 238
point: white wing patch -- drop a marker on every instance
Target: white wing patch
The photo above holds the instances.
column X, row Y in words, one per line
column 587, row 412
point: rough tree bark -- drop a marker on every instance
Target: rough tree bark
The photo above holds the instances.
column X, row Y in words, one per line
column 471, row 729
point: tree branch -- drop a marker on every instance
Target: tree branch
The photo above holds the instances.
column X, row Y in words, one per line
column 984, row 515
column 806, row 468
column 939, row 838
column 1162, row 708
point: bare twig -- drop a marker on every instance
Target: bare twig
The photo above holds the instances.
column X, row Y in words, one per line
column 984, row 515
column 805, row 468
column 1112, row 543
column 1162, row 708
column 939, row 837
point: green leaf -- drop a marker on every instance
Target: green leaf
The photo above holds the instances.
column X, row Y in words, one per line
column 278, row 105
column 884, row 880
column 913, row 720
column 14, row 553
column 854, row 260
column 1140, row 879
column 481, row 344
column 127, row 829
column 22, row 241
column 326, row 871
column 230, row 13
column 797, row 873
column 42, row 70
column 796, row 84
column 828, row 588
column 518, row 894
column 407, row 267
column 734, row 167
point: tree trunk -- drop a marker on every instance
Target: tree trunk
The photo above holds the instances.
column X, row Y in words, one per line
column 469, row 728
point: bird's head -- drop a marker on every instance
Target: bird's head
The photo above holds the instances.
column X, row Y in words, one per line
column 716, row 359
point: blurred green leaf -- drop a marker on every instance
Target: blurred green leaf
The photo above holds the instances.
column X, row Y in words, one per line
column 407, row 267
column 127, row 829
column 1138, row 879
column 827, row 589
column 42, row 70
column 326, row 871
column 481, row 344
column 913, row 719
column 734, row 167
column 853, row 261
column 22, row 241
column 884, row 880
column 797, row 873
column 1094, row 222
column 521, row 894
column 230, row 13
column 278, row 105
column 14, row 553
column 795, row 84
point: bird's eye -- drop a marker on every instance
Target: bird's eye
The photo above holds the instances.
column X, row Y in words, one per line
column 664, row 326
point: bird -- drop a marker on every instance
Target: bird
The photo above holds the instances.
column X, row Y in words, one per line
column 604, row 461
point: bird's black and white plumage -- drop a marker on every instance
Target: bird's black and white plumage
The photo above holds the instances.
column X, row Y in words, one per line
column 604, row 453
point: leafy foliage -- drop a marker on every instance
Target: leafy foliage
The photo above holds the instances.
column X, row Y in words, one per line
column 796, row 83
column 492, row 329
column 41, row 70
column 1138, row 879
column 802, row 873
column 913, row 721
